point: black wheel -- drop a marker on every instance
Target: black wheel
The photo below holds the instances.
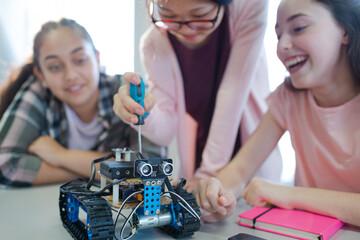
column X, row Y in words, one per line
column 99, row 223
column 187, row 224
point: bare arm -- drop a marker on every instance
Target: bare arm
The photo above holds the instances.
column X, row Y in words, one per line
column 251, row 155
column 48, row 174
column 75, row 161
column 342, row 205
column 217, row 197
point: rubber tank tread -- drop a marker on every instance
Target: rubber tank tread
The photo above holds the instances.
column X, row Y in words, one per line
column 101, row 222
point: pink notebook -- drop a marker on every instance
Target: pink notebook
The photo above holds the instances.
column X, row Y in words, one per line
column 294, row 223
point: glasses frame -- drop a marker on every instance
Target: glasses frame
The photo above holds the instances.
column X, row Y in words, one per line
column 181, row 23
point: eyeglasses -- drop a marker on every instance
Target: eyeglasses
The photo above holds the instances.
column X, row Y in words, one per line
column 170, row 25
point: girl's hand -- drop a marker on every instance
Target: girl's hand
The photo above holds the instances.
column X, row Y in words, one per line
column 259, row 193
column 191, row 184
column 216, row 204
column 125, row 107
column 48, row 149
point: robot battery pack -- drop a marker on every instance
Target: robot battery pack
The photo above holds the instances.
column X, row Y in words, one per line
column 117, row 170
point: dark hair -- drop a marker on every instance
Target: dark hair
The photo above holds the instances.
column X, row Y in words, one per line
column 9, row 92
column 347, row 14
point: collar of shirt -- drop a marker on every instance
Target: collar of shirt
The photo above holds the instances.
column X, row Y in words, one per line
column 56, row 117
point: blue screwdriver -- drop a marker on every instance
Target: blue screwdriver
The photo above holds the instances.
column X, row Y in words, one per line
column 137, row 92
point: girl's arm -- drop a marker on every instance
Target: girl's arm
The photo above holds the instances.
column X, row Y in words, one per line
column 342, row 205
column 243, row 88
column 213, row 196
column 251, row 155
column 77, row 162
column 49, row 174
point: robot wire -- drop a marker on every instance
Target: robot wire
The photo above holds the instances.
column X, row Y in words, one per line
column 91, row 180
column 127, row 220
column 100, row 191
column 120, row 210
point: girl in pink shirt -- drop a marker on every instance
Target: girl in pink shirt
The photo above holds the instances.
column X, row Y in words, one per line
column 319, row 44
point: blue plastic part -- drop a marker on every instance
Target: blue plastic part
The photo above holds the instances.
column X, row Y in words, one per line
column 173, row 219
column 88, row 230
column 137, row 92
column 152, row 196
column 72, row 208
column 87, row 221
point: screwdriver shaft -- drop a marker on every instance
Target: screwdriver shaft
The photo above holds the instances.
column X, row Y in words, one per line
column 139, row 139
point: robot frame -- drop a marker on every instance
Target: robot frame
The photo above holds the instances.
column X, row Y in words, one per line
column 141, row 186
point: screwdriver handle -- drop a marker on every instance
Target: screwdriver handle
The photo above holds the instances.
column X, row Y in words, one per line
column 137, row 92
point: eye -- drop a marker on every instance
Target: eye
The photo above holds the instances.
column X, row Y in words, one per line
column 299, row 29
column 54, row 67
column 81, row 60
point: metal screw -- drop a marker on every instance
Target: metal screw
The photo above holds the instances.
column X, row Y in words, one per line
column 153, row 183
column 157, row 211
column 147, row 212
column 159, row 182
column 117, row 172
column 147, row 183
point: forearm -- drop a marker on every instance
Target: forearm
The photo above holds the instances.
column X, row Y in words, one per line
column 48, row 174
column 342, row 205
column 250, row 157
column 79, row 161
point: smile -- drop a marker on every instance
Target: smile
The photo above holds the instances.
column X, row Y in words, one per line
column 74, row 89
column 295, row 63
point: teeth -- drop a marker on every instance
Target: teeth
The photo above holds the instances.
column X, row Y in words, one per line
column 294, row 61
column 74, row 88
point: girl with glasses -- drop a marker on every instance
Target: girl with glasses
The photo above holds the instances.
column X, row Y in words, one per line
column 206, row 65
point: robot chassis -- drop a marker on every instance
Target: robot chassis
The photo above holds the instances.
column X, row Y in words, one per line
column 138, row 186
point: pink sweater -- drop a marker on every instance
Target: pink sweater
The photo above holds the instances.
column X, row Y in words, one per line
column 326, row 140
column 240, row 99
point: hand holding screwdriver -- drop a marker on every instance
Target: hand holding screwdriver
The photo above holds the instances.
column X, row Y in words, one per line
column 137, row 93
column 125, row 107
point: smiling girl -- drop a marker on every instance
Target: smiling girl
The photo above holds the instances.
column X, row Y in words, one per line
column 59, row 116
column 319, row 43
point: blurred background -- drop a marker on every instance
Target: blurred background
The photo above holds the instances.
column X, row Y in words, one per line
column 115, row 26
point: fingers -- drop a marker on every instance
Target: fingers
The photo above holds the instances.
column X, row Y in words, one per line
column 254, row 194
column 227, row 200
column 125, row 107
column 210, row 190
column 149, row 101
column 130, row 77
column 214, row 201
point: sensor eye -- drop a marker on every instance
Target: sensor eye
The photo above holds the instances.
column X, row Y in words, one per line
column 167, row 168
column 144, row 169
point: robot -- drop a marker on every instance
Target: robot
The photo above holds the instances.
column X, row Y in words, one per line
column 142, row 186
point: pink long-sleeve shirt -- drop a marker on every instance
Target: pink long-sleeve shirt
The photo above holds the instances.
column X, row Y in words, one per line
column 240, row 98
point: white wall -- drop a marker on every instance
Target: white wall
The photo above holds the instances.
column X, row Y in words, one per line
column 109, row 22
column 277, row 73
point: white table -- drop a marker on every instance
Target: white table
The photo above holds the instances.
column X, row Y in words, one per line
column 33, row 213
